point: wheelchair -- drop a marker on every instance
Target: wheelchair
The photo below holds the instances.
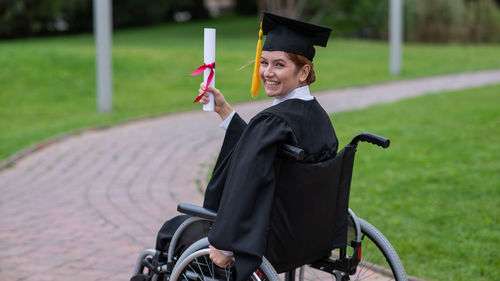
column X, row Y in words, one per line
column 365, row 253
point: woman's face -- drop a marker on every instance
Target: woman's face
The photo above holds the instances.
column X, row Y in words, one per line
column 278, row 74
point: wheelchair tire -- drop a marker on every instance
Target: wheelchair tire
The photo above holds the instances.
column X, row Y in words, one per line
column 378, row 256
column 379, row 260
column 198, row 266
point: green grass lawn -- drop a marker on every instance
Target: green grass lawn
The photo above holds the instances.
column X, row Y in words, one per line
column 47, row 85
column 435, row 192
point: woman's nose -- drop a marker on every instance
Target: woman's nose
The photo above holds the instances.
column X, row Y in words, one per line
column 268, row 72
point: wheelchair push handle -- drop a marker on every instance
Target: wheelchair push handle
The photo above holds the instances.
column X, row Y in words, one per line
column 371, row 138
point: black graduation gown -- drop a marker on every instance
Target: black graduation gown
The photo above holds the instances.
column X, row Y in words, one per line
column 268, row 205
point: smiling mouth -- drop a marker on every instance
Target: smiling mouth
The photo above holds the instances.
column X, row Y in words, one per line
column 272, row 83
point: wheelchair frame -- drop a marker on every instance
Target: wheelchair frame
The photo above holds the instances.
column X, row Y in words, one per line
column 341, row 268
column 344, row 265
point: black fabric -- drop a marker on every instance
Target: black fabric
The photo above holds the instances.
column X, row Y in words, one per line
column 139, row 277
column 293, row 36
column 302, row 221
column 346, row 162
column 191, row 234
column 215, row 186
column 255, row 193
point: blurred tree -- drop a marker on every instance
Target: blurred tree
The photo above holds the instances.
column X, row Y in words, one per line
column 78, row 15
column 194, row 9
column 483, row 21
column 424, row 20
column 358, row 18
column 139, row 12
column 20, row 18
column 28, row 17
column 308, row 10
column 371, row 18
column 247, row 7
column 436, row 20
column 453, row 21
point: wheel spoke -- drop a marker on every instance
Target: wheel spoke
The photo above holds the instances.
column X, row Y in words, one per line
column 209, row 266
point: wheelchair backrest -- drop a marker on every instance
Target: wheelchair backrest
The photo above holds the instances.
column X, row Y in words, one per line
column 310, row 212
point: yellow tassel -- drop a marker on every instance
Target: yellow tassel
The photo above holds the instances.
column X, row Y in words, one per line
column 256, row 75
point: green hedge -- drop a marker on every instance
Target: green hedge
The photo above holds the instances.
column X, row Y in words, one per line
column 424, row 20
column 22, row 18
column 452, row 21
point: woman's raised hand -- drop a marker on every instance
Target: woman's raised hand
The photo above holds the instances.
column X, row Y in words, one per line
column 221, row 106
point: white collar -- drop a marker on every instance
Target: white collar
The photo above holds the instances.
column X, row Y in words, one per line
column 301, row 93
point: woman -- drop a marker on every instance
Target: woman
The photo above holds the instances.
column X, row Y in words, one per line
column 266, row 204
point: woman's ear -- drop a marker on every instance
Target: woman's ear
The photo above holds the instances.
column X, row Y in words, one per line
column 304, row 73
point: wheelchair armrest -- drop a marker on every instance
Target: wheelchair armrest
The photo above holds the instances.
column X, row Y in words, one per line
column 292, row 152
column 196, row 211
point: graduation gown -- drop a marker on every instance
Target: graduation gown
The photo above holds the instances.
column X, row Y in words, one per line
column 268, row 205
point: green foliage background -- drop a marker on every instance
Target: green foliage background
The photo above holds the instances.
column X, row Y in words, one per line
column 424, row 20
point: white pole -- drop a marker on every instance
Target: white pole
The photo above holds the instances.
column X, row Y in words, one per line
column 104, row 75
column 395, row 35
column 209, row 57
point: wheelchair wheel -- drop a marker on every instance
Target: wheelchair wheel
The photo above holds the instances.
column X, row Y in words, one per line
column 379, row 260
column 378, row 256
column 198, row 266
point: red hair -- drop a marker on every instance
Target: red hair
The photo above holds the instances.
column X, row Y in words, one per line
column 299, row 62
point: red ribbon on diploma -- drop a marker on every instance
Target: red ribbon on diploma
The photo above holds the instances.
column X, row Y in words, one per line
column 200, row 70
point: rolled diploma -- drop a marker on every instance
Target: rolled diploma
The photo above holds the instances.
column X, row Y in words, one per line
column 209, row 54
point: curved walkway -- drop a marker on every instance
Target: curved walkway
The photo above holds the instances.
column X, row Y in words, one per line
column 83, row 208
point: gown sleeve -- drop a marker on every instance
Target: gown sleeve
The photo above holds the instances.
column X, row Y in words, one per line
column 245, row 208
column 233, row 133
column 215, row 186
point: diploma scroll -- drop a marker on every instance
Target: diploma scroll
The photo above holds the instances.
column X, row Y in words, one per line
column 209, row 58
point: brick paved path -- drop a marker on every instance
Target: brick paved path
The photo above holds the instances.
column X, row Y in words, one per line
column 83, row 208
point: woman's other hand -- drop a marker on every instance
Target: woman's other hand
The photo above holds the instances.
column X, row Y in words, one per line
column 221, row 106
column 219, row 258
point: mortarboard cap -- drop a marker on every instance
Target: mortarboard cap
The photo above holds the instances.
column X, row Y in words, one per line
column 293, row 36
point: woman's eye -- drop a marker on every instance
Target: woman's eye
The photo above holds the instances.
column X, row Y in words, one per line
column 263, row 62
column 280, row 65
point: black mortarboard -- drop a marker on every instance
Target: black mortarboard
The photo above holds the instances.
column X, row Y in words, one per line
column 293, row 36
